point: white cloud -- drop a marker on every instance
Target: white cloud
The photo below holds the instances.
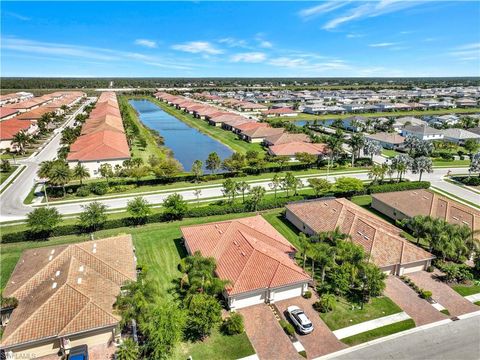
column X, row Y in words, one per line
column 198, row 47
column 466, row 52
column 17, row 16
column 354, row 35
column 265, row 44
column 250, row 57
column 232, row 42
column 147, row 43
column 324, row 8
column 370, row 9
column 382, row 45
column 288, row 62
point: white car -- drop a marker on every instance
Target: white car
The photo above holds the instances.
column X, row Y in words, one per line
column 300, row 320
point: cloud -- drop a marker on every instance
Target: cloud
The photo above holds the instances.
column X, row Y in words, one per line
column 466, row 52
column 17, row 16
column 250, row 57
column 265, row 44
column 383, row 45
column 232, row 42
column 147, row 43
column 370, row 9
column 198, row 47
column 324, row 8
column 288, row 62
column 354, row 35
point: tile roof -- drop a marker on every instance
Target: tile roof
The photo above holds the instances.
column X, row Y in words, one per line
column 292, row 148
column 285, row 137
column 381, row 240
column 456, row 133
column 392, row 138
column 428, row 203
column 279, row 111
column 66, row 289
column 4, row 112
column 103, row 135
column 263, row 132
column 10, row 127
column 251, row 125
column 249, row 252
column 422, row 129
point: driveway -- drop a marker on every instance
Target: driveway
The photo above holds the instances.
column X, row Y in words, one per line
column 266, row 334
column 322, row 340
column 419, row 310
column 443, row 294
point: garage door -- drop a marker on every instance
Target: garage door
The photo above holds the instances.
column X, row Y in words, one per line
column 239, row 302
column 410, row 268
column 288, row 293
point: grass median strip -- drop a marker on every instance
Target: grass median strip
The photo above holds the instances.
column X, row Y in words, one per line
column 379, row 332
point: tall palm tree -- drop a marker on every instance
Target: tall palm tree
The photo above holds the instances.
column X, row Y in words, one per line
column 324, row 258
column 422, row 164
column 21, row 140
column 60, row 175
column 44, row 170
column 334, row 144
column 356, row 142
column 304, row 245
column 80, row 172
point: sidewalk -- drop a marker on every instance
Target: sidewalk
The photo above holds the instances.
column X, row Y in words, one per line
column 473, row 298
column 370, row 325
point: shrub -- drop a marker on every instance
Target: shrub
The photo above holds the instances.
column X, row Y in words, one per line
column 83, row 191
column 307, row 294
column 470, row 180
column 121, row 188
column 287, row 327
column 99, row 188
column 233, row 324
column 408, row 185
column 425, row 294
column 325, row 304
column 430, row 269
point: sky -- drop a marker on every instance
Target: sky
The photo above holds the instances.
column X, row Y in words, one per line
column 383, row 38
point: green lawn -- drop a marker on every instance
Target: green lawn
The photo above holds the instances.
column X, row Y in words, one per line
column 283, row 226
column 379, row 332
column 453, row 163
column 390, row 153
column 152, row 147
column 343, row 315
column 216, row 347
column 466, row 290
column 227, row 138
column 477, row 303
column 4, row 175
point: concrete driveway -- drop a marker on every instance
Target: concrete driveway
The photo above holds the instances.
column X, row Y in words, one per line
column 266, row 334
column 418, row 309
column 322, row 340
column 442, row 293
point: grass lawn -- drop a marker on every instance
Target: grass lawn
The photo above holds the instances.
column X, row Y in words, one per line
column 216, row 347
column 343, row 315
column 152, row 147
column 477, row 303
column 4, row 175
column 389, row 153
column 379, row 332
column 454, row 163
column 466, row 290
column 227, row 138
column 445, row 311
column 283, row 226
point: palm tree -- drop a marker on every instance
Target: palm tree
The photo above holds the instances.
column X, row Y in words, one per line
column 324, row 258
column 128, row 350
column 356, row 143
column 60, row 175
column 334, row 144
column 401, row 163
column 44, row 170
column 422, row 164
column 243, row 187
column 21, row 140
column 80, row 172
column 304, row 244
column 418, row 225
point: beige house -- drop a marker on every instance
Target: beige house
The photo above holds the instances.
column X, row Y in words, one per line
column 381, row 240
column 65, row 296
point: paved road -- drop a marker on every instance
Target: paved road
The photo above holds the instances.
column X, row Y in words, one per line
column 452, row 341
column 12, row 207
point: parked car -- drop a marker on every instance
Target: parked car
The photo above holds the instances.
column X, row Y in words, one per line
column 78, row 353
column 300, row 320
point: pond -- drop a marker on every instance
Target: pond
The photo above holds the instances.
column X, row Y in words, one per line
column 188, row 144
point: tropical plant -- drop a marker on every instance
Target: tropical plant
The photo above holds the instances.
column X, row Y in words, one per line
column 319, row 185
column 243, row 187
column 139, row 209
column 213, row 162
column 233, row 324
column 229, row 189
column 204, row 313
column 257, row 193
column 356, row 143
column 422, row 164
column 43, row 220
column 80, row 172
column 59, row 175
column 472, row 146
column 106, row 171
column 326, row 303
column 401, row 163
column 475, row 164
column 5, row 165
column 93, row 216
column 197, row 169
column 128, row 350
column 175, row 207
column 275, row 184
column 349, row 185
column 371, row 148
column 21, row 140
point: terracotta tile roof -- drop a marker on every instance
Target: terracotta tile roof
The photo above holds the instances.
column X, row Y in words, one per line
column 292, row 148
column 279, row 111
column 103, row 135
column 285, row 137
column 10, row 127
column 226, row 117
column 35, row 114
column 428, row 203
column 66, row 289
column 4, row 112
column 391, row 138
column 249, row 252
column 251, row 125
column 263, row 132
column 381, row 240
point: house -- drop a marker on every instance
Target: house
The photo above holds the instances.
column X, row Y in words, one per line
column 387, row 140
column 422, row 132
column 401, row 122
column 65, row 296
column 291, row 149
column 15, row 97
column 253, row 256
column 220, row 119
column 259, row 134
column 398, row 206
column 6, row 113
column 449, row 120
column 354, row 123
column 285, row 138
column 381, row 240
column 237, row 129
column 9, row 128
column 280, row 112
column 466, row 103
column 475, row 130
column 459, row 136
column 103, row 139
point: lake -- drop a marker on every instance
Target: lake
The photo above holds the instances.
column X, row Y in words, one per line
column 188, row 144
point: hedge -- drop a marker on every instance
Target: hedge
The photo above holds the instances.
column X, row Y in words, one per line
column 209, row 210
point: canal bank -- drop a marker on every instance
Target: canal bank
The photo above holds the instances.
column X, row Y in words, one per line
column 187, row 143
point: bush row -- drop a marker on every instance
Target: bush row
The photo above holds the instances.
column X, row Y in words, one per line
column 209, row 210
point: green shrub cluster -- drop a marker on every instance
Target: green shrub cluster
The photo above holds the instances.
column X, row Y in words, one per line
column 287, row 327
column 233, row 324
column 424, row 294
column 408, row 185
column 307, row 294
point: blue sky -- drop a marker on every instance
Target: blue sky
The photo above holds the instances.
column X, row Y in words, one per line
column 265, row 39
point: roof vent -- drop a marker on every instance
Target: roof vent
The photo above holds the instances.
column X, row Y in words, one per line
column 465, row 222
column 81, row 268
column 57, row 274
column 243, row 254
column 54, row 285
column 79, row 280
column 455, row 218
column 52, row 252
column 94, row 250
column 50, row 258
column 235, row 242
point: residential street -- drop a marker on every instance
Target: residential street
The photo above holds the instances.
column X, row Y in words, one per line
column 12, row 198
column 451, row 341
